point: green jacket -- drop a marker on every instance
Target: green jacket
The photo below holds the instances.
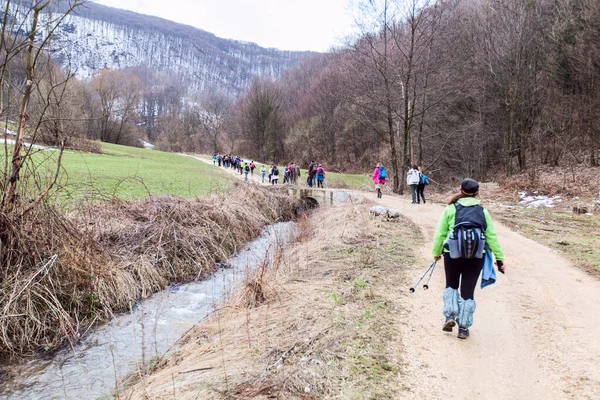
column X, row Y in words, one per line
column 446, row 225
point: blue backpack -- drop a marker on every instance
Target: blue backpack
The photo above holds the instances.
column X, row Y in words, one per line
column 423, row 179
column 382, row 172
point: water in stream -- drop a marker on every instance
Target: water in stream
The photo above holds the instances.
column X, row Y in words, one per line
column 96, row 365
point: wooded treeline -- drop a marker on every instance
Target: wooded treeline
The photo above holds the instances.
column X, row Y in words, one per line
column 460, row 87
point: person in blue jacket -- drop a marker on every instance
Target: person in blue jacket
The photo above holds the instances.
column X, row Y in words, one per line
column 465, row 210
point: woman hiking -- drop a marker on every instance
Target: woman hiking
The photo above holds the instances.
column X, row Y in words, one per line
column 423, row 180
column 379, row 177
column 320, row 176
column 412, row 180
column 263, row 171
column 465, row 227
column 375, row 180
column 274, row 175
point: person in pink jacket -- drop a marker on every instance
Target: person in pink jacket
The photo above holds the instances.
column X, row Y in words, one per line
column 376, row 181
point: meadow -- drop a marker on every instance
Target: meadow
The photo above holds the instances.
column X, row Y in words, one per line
column 125, row 173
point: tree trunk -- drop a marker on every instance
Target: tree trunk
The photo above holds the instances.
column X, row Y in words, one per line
column 10, row 198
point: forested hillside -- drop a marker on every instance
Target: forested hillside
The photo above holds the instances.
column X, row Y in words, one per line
column 95, row 37
column 473, row 87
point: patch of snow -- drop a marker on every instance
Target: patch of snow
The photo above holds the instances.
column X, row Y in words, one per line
column 35, row 146
column 147, row 145
column 538, row 201
column 9, row 132
column 589, row 214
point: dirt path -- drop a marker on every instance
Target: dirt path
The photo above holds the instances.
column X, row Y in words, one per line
column 536, row 331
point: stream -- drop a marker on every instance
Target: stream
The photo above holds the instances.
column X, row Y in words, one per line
column 95, row 367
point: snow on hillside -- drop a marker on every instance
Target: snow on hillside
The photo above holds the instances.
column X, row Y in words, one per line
column 104, row 37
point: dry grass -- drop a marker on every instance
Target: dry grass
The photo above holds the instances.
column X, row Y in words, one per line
column 572, row 181
column 318, row 322
column 576, row 236
column 62, row 273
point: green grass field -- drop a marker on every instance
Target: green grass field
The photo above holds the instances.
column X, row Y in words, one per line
column 354, row 181
column 128, row 173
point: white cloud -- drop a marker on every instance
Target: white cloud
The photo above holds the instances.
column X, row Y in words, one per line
column 284, row 24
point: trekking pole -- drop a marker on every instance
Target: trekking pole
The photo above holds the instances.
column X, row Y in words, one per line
column 431, row 267
column 426, row 285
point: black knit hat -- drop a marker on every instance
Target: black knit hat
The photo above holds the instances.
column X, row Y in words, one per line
column 469, row 186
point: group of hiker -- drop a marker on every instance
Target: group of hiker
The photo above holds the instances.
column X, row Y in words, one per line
column 415, row 179
column 236, row 163
column 316, row 173
column 291, row 172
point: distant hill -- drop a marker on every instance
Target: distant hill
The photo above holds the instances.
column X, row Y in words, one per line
column 97, row 37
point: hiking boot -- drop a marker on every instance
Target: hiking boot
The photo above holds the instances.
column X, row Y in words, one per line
column 449, row 324
column 463, row 333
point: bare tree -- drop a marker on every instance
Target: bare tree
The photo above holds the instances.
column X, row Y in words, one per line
column 37, row 40
column 119, row 94
column 261, row 121
column 213, row 110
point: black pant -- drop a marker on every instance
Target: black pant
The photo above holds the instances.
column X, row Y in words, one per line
column 420, row 194
column 463, row 270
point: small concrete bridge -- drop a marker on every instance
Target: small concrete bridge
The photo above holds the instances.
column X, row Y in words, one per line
column 314, row 198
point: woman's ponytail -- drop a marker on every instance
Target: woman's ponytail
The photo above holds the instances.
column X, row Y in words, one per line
column 455, row 198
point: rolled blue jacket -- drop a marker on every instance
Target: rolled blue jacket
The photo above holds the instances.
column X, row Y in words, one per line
column 488, row 273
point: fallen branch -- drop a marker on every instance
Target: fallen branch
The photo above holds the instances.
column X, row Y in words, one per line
column 196, row 370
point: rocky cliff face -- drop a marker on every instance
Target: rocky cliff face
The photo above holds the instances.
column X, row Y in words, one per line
column 96, row 37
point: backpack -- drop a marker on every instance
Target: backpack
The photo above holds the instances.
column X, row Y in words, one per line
column 467, row 240
column 382, row 172
column 320, row 172
column 423, row 179
column 247, row 168
column 276, row 172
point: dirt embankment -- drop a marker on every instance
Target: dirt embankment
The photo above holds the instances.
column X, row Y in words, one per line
column 65, row 272
column 317, row 323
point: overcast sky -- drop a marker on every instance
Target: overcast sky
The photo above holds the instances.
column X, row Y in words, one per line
column 284, row 24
